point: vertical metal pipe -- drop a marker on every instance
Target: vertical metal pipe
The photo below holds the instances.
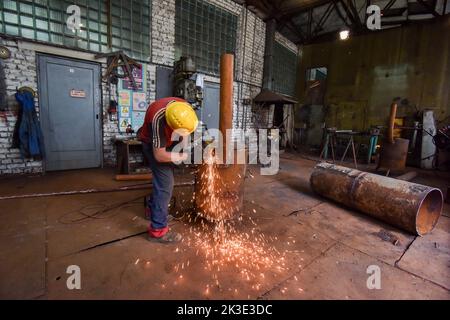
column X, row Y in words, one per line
column 226, row 96
column 219, row 188
column 268, row 54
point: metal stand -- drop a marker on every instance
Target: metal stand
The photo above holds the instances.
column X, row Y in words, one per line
column 330, row 139
column 352, row 143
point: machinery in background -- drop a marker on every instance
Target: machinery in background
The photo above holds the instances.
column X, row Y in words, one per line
column 415, row 139
column 442, row 138
column 188, row 84
column 442, row 142
column 428, row 150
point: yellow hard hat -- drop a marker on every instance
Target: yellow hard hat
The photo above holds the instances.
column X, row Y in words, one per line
column 181, row 117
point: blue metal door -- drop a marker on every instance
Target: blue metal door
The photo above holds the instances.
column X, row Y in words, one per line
column 69, row 99
column 210, row 109
column 164, row 82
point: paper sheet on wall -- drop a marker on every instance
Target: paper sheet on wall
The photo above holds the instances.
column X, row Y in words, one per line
column 138, row 120
column 123, row 124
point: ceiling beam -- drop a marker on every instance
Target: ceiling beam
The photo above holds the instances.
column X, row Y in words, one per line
column 323, row 19
column 355, row 22
column 273, row 7
column 338, row 11
column 388, row 5
column 295, row 11
column 430, row 8
column 354, row 12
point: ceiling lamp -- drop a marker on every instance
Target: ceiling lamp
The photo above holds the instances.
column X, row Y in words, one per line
column 344, row 34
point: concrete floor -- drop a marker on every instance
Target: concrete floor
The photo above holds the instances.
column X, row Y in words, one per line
column 321, row 251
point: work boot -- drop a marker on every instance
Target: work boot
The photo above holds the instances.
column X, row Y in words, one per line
column 169, row 237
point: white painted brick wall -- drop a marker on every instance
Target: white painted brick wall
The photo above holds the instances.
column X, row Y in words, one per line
column 20, row 70
column 163, row 32
column 286, row 42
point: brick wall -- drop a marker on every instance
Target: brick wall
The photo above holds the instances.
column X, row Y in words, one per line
column 163, row 32
column 21, row 70
column 286, row 42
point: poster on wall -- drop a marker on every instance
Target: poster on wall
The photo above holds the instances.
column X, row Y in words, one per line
column 125, row 111
column 133, row 103
column 139, row 101
column 138, row 75
column 124, row 98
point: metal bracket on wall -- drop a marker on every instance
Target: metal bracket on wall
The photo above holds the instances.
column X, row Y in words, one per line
column 117, row 60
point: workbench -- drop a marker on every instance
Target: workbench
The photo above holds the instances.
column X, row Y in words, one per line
column 331, row 141
column 124, row 149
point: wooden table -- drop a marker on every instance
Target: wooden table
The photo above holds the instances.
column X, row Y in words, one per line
column 124, row 148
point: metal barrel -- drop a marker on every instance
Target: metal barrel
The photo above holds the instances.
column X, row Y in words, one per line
column 393, row 155
column 409, row 206
column 220, row 198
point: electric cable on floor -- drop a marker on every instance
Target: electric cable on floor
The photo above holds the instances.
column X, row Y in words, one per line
column 94, row 215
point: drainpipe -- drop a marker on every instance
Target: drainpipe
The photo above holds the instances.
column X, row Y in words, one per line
column 268, row 54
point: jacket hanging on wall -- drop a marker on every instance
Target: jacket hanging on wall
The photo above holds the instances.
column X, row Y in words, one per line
column 29, row 135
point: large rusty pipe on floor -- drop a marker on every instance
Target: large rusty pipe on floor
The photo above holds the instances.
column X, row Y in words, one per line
column 409, row 206
column 226, row 97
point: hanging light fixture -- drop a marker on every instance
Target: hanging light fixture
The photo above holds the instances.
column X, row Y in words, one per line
column 344, row 34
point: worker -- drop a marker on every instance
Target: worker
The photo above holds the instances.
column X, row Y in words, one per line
column 163, row 117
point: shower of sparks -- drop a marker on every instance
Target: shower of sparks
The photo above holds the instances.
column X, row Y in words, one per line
column 228, row 246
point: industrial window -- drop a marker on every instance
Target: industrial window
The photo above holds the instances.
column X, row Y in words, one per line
column 204, row 31
column 284, row 69
column 45, row 20
column 131, row 27
column 316, row 74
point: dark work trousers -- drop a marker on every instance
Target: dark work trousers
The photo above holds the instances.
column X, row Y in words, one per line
column 162, row 189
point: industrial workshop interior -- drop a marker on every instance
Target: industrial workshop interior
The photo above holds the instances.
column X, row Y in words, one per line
column 225, row 150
